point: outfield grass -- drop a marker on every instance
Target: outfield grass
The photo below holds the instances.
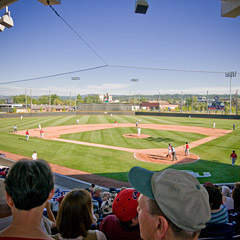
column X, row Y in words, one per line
column 114, row 137
column 116, row 164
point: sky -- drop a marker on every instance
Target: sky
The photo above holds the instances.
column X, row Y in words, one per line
column 173, row 35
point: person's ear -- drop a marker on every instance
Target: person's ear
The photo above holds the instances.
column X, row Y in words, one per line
column 51, row 194
column 162, row 227
column 135, row 221
column 9, row 200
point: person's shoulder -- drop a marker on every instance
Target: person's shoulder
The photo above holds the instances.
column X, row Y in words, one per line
column 110, row 219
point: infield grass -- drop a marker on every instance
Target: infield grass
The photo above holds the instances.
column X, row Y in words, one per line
column 114, row 137
column 215, row 155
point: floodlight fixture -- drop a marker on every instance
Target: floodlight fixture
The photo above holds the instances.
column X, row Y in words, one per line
column 75, row 78
column 6, row 19
column 141, row 6
column 1, row 28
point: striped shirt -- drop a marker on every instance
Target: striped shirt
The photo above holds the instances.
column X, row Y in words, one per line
column 219, row 217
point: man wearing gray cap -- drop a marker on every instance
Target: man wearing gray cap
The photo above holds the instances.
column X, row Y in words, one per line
column 172, row 205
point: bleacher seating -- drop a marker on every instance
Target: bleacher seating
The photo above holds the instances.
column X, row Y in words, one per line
column 225, row 230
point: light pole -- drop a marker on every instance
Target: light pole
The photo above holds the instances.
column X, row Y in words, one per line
column 181, row 102
column 159, row 102
column 134, row 80
column 75, row 79
column 230, row 75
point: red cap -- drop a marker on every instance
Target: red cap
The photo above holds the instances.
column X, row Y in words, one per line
column 125, row 204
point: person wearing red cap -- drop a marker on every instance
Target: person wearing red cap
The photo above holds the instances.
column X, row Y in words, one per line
column 124, row 223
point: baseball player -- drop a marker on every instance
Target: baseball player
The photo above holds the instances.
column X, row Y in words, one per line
column 169, row 151
column 139, row 131
column 41, row 133
column 214, row 125
column 39, row 126
column 77, row 121
column 174, row 156
column 136, row 123
column 27, row 135
column 115, row 122
column 187, row 149
column 234, row 158
column 34, row 155
column 15, row 128
column 21, row 117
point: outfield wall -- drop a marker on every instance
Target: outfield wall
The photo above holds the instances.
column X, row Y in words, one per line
column 16, row 115
column 104, row 107
column 105, row 113
column 193, row 115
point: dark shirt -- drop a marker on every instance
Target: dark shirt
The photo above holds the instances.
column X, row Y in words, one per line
column 98, row 199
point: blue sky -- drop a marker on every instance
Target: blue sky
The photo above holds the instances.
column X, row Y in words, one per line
column 174, row 34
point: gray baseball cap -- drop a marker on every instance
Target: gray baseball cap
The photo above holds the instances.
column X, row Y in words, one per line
column 180, row 196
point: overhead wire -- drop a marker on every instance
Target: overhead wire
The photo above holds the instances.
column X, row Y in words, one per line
column 116, row 66
column 103, row 60
column 78, row 35
column 54, row 75
column 166, row 69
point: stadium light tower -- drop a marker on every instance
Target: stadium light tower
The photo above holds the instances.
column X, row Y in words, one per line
column 230, row 75
column 75, row 79
column 134, row 80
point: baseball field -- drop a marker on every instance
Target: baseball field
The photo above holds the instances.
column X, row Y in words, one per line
column 99, row 147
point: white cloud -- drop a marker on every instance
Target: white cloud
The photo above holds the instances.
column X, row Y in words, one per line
column 108, row 86
column 202, row 90
column 112, row 89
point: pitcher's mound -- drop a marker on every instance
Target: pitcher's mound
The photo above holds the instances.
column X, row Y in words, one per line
column 162, row 158
column 134, row 135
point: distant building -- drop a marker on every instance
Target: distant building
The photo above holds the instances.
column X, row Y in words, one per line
column 19, row 108
column 50, row 108
column 9, row 107
column 156, row 105
column 105, row 97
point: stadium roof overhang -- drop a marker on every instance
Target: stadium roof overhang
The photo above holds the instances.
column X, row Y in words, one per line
column 229, row 8
column 4, row 3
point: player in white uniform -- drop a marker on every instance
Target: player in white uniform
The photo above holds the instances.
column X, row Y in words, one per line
column 214, row 125
column 34, row 155
column 139, row 131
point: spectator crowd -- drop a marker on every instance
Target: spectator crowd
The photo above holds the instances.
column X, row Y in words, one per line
column 170, row 205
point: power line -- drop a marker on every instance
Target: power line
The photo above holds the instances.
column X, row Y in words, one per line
column 166, row 69
column 54, row 75
column 79, row 36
